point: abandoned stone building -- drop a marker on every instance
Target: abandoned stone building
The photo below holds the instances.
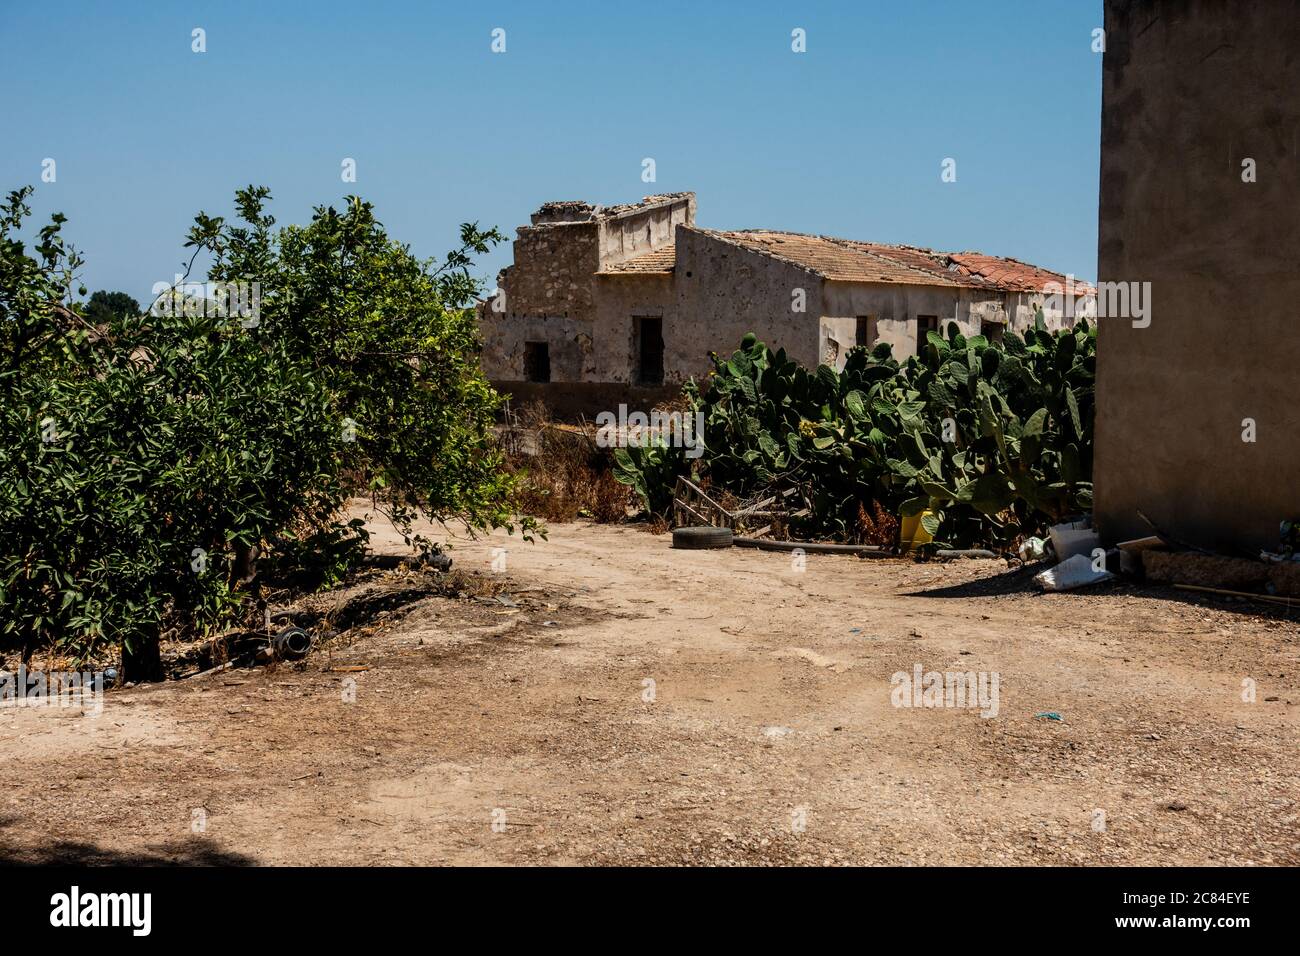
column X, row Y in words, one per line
column 624, row 303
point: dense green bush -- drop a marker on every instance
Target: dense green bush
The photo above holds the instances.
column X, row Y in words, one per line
column 391, row 338
column 148, row 463
column 651, row 470
column 994, row 439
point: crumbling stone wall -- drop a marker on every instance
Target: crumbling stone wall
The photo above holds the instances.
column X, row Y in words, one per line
column 895, row 308
column 708, row 295
column 548, row 293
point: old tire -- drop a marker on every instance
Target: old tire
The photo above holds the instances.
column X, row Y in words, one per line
column 700, row 538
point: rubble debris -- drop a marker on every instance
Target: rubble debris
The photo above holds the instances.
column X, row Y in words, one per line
column 1243, row 595
column 1210, row 570
column 432, row 560
column 291, row 644
column 1032, row 549
column 813, row 547
column 1075, row 572
column 1072, row 538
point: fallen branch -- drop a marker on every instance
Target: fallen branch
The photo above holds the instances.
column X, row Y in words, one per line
column 1267, row 598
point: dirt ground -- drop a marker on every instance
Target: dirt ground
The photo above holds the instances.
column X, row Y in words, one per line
column 622, row 702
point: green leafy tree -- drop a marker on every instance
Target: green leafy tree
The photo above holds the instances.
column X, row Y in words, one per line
column 148, row 462
column 392, row 338
column 103, row 306
column 139, row 460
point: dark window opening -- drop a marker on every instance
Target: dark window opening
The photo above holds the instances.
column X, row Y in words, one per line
column 992, row 331
column 537, row 361
column 649, row 344
column 862, row 333
column 924, row 324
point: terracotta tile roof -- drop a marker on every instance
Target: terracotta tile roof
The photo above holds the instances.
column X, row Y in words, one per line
column 656, row 262
column 926, row 261
column 849, row 260
column 836, row 259
column 1012, row 274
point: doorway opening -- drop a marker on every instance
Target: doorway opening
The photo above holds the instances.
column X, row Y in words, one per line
column 537, row 361
column 648, row 345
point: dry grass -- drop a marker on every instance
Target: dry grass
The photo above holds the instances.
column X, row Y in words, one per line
column 565, row 474
column 877, row 527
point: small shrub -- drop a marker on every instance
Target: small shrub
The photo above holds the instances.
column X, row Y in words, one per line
column 562, row 473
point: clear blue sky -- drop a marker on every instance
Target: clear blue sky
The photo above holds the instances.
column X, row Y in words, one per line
column 846, row 139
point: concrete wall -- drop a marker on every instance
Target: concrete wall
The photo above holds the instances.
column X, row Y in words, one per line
column 725, row 291
column 895, row 308
column 1191, row 88
column 643, row 229
column 618, row 299
column 1022, row 307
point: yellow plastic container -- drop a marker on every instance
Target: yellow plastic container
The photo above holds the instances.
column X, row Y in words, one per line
column 911, row 533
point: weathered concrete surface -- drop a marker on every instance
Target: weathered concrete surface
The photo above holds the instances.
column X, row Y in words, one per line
column 724, row 292
column 1192, row 89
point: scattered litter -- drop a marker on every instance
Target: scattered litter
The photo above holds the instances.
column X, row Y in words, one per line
column 1075, row 572
column 1032, row 549
column 855, row 630
column 774, row 732
column 1050, row 715
column 549, row 624
column 506, row 600
column 1073, row 537
column 912, row 531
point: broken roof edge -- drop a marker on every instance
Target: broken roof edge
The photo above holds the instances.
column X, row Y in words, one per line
column 936, row 276
column 653, row 262
column 1032, row 278
column 563, row 212
column 725, row 236
column 941, row 269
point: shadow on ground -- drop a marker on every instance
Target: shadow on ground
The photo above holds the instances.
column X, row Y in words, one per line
column 200, row 851
column 1015, row 581
column 1021, row 581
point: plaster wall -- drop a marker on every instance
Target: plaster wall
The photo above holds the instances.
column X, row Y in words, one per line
column 1190, row 90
